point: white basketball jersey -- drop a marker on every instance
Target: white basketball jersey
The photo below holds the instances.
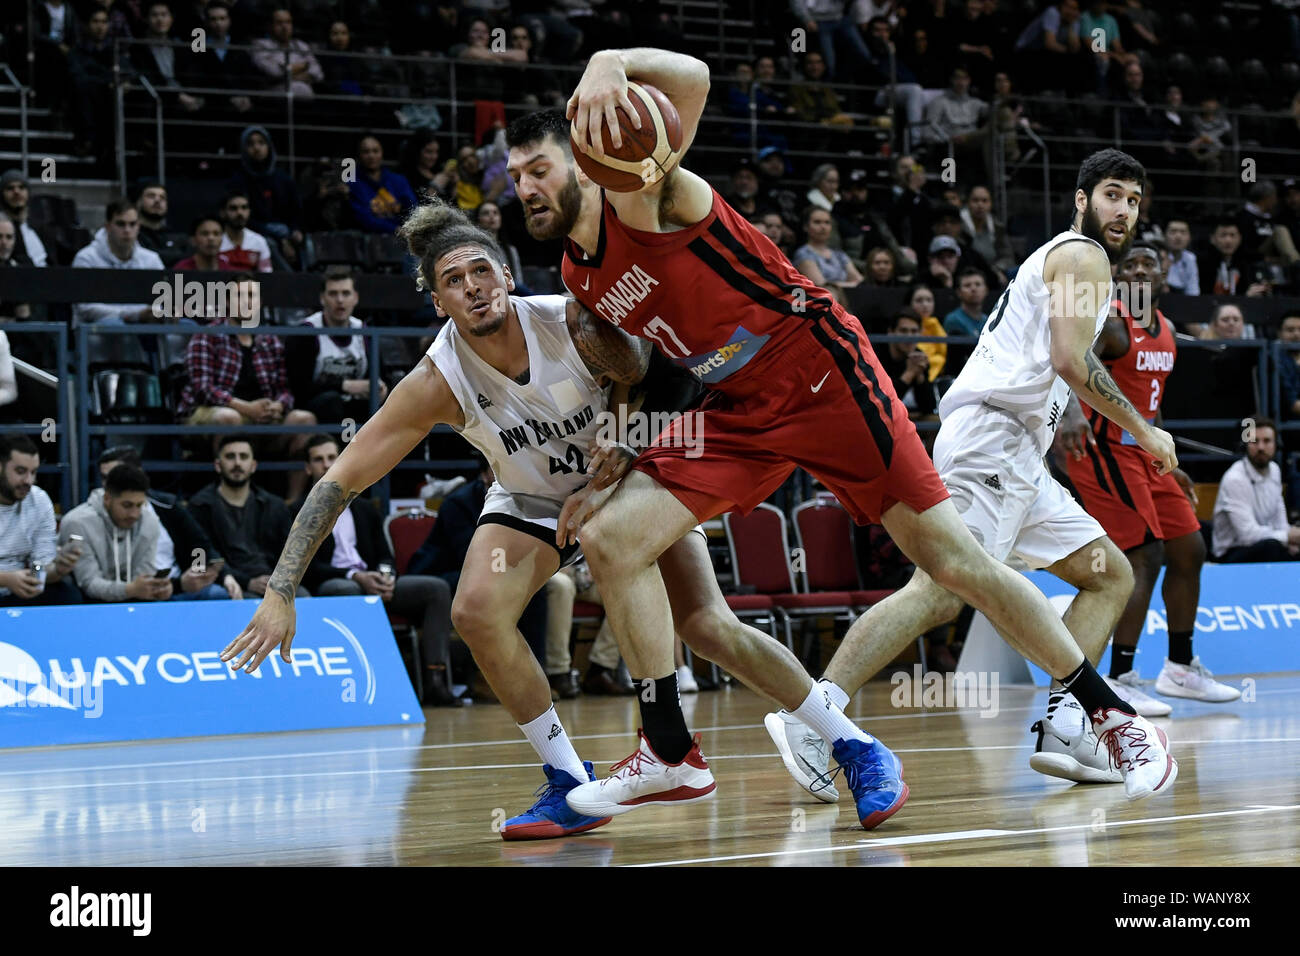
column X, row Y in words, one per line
column 1011, row 367
column 536, row 436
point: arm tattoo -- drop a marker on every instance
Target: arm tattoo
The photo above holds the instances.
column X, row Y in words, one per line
column 1101, row 384
column 607, row 350
column 316, row 520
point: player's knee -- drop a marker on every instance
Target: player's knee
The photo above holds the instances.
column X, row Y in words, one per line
column 226, row 416
column 1187, row 556
column 1110, row 570
column 609, row 547
column 472, row 617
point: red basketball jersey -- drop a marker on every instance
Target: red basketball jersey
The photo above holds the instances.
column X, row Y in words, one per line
column 713, row 297
column 1140, row 373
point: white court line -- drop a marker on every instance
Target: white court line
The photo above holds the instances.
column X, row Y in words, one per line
column 515, row 741
column 515, row 766
column 961, row 835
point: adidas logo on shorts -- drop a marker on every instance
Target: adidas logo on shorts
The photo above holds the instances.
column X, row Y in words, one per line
column 994, row 482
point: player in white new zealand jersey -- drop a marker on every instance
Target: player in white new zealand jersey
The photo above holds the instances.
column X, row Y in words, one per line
column 998, row 419
column 524, row 380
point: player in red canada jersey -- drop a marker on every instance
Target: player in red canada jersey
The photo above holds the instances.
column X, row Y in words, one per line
column 1149, row 516
column 793, row 383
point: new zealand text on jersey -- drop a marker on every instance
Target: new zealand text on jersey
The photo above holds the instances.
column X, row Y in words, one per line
column 625, row 294
column 516, row 436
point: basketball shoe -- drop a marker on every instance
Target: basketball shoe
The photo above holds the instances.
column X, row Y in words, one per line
column 642, row 779
column 804, row 754
column 1129, row 688
column 1068, row 748
column 550, row 816
column 875, row 777
column 1139, row 749
column 1193, row 681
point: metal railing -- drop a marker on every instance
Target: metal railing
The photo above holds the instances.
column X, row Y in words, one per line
column 64, row 430
column 23, row 93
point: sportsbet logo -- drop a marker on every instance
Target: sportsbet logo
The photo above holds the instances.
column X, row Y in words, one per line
column 719, row 358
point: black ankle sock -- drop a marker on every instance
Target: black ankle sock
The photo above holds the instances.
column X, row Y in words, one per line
column 662, row 719
column 1092, row 692
column 1121, row 659
column 1180, row 647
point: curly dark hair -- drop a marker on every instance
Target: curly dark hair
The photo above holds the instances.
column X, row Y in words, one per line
column 1109, row 164
column 435, row 229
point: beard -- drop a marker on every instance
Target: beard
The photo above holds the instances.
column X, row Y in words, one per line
column 559, row 221
column 490, row 325
column 1092, row 228
column 231, row 482
column 7, row 491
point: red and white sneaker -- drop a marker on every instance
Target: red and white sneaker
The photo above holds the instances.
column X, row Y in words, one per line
column 1138, row 748
column 642, row 779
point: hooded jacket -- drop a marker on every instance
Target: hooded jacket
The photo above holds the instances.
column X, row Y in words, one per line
column 111, row 557
column 272, row 194
column 98, row 255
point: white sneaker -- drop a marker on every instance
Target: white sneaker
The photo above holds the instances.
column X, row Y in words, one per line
column 686, row 681
column 803, row 752
column 1129, row 688
column 1068, row 748
column 641, row 779
column 1194, row 681
column 1138, row 748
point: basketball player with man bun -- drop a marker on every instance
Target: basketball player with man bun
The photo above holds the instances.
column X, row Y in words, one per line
column 524, row 381
column 793, row 382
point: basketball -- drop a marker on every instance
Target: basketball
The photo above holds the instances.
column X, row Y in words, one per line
column 647, row 154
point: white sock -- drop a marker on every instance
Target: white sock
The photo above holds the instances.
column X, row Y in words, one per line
column 549, row 739
column 822, row 714
column 1056, row 692
column 838, row 697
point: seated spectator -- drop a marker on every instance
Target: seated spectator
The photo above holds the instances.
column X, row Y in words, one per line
column 279, row 57
column 975, row 42
column 32, row 570
column 1110, row 51
column 829, row 268
column 1288, row 367
column 1226, row 323
column 246, row 524
column 887, row 70
column 154, row 235
column 527, row 82
column 344, row 75
column 242, row 379
column 10, row 259
column 472, row 187
column 908, row 367
column 91, row 68
column 942, row 260
column 181, row 542
column 1051, row 52
column 927, row 65
column 882, row 268
column 1225, row 269
column 157, row 60
column 986, row 236
column 14, row 196
column 742, row 195
column 813, row 100
column 328, row 373
column 1183, row 276
column 241, row 247
column 488, row 217
column 380, row 198
column 860, row 226
column 770, row 224
column 327, row 200
column 274, row 209
column 969, row 317
column 55, row 35
column 115, row 246
column 120, row 541
column 830, row 21
column 771, row 171
column 1207, row 145
column 824, row 187
column 911, row 213
column 421, row 168
column 1261, row 236
column 947, row 224
column 1249, row 513
column 770, row 102
column 920, row 299
column 355, row 559
column 205, row 235
column 955, row 117
column 217, row 66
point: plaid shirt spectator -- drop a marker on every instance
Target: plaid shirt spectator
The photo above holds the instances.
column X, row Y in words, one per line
column 214, row 361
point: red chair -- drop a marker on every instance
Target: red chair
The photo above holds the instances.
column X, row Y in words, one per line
column 824, row 532
column 405, row 531
column 760, row 557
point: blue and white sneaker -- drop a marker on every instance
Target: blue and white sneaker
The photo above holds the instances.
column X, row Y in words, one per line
column 875, row 776
column 551, row 815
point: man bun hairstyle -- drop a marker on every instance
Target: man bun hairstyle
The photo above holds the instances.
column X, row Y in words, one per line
column 435, row 229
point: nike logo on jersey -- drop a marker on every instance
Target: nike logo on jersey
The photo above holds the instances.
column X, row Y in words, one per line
column 818, row 387
column 586, row 285
column 1139, row 338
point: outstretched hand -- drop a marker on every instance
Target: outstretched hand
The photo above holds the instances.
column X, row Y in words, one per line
column 272, row 626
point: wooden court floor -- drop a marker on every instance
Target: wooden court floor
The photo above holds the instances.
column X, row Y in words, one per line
column 434, row 795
